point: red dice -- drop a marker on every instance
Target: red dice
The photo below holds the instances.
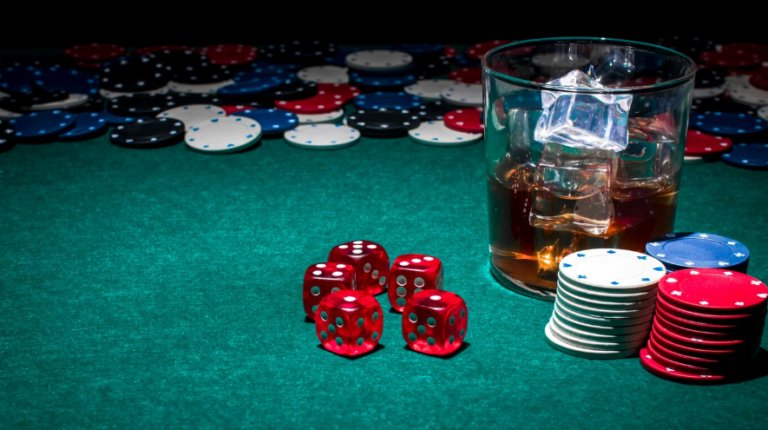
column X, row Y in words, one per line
column 412, row 273
column 435, row 322
column 349, row 322
column 370, row 261
column 323, row 279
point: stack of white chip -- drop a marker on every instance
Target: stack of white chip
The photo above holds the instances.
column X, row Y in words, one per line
column 606, row 300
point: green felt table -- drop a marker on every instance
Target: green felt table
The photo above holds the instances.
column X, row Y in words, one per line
column 162, row 288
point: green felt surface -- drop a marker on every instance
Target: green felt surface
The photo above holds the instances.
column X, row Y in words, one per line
column 162, row 288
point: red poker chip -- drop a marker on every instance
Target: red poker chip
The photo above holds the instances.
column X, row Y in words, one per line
column 230, row 54
column 477, row 51
column 698, row 143
column 94, row 52
column 735, row 354
column 669, row 361
column 87, row 65
column 709, row 363
column 754, row 49
column 759, row 79
column 740, row 320
column 695, row 342
column 701, row 333
column 730, row 59
column 449, row 52
column 467, row 75
column 714, row 291
column 344, row 91
column 146, row 50
column 656, row 368
column 319, row 103
column 467, row 120
column 699, row 325
column 230, row 109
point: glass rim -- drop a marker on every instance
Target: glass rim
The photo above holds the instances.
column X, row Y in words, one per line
column 623, row 90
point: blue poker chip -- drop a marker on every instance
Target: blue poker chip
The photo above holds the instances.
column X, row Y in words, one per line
column 42, row 125
column 388, row 100
column 269, row 68
column 87, row 125
column 255, row 85
column 382, row 81
column 272, row 121
column 462, row 60
column 748, row 155
column 113, row 119
column 262, row 73
column 17, row 79
column 66, row 79
column 698, row 250
column 728, row 123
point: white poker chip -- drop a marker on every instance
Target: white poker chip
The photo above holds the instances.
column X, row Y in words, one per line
column 322, row 136
column 6, row 114
column 600, row 345
column 577, row 351
column 463, row 94
column 611, row 269
column 748, row 94
column 72, row 100
column 224, row 134
column 435, row 133
column 574, row 330
column 324, row 74
column 191, row 115
column 379, row 60
column 734, row 81
column 601, row 321
column 107, row 94
column 763, row 113
column 568, row 301
column 705, row 93
column 182, row 88
column 320, row 117
column 429, row 89
column 626, row 299
column 602, row 330
column 693, row 159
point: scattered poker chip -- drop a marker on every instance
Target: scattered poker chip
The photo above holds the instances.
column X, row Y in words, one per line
column 6, row 114
column 463, row 95
column 17, row 79
column 275, row 68
column 200, row 73
column 561, row 345
column 272, row 121
column 224, row 135
column 87, row 125
column 343, row 91
column 93, row 104
column 703, row 93
column 434, row 111
column 140, row 105
column 295, row 90
column 611, row 270
column 730, row 59
column 230, row 55
column 467, row 75
column 478, row 50
column 261, row 73
column 319, row 103
column 419, row 50
column 388, row 100
column 382, row 82
column 113, row 119
column 428, row 89
column 324, row 74
column 383, row 122
column 435, row 133
column 752, row 156
column 107, row 94
column 379, row 60
column 758, row 50
column 461, row 60
column 649, row 363
column 727, row 123
column 763, row 113
column 7, row 134
column 72, row 101
column 134, row 73
column 194, row 99
column 302, row 52
column 231, row 109
column 148, row 133
column 449, row 51
column 209, row 88
column 432, row 68
column 467, row 120
column 749, row 95
column 709, row 78
column 42, row 125
column 146, row 50
column 24, row 102
column 698, row 143
column 66, row 79
column 192, row 115
column 734, row 81
column 720, row 104
column 322, row 136
column 759, row 79
column 714, row 290
column 316, row 118
column 250, row 87
column 94, row 52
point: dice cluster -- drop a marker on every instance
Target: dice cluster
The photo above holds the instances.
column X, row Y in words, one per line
column 339, row 297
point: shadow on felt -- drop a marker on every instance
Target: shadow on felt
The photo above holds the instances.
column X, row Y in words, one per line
column 376, row 348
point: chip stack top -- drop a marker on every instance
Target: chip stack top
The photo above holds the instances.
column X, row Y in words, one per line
column 698, row 250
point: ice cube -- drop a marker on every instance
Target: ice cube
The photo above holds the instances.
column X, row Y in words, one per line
column 581, row 120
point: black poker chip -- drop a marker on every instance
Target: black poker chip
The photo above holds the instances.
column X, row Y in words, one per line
column 22, row 103
column 720, row 104
column 141, row 105
column 292, row 90
column 185, row 99
column 148, row 133
column 303, row 52
column 175, row 59
column 201, row 73
column 430, row 68
column 6, row 136
column 710, row 78
column 433, row 111
column 134, row 74
column 94, row 104
column 383, row 122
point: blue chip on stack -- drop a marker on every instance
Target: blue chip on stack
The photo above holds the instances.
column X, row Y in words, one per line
column 698, row 250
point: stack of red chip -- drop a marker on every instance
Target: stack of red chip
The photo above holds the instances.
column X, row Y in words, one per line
column 708, row 326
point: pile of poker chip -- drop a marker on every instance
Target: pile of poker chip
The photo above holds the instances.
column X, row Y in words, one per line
column 286, row 89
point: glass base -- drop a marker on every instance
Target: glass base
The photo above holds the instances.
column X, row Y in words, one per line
column 521, row 287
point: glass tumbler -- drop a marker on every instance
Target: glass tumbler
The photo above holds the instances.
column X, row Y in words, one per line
column 584, row 140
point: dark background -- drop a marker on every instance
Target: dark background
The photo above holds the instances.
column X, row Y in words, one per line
column 27, row 25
